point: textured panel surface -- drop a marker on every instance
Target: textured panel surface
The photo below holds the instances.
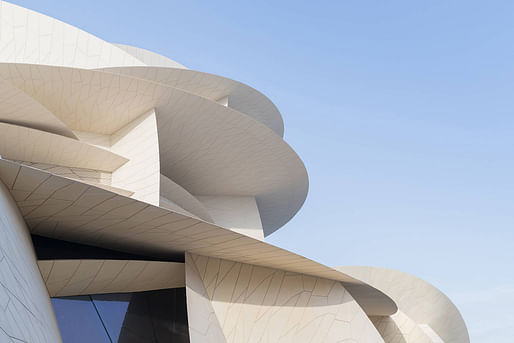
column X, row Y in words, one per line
column 43, row 147
column 77, row 277
column 26, row 314
column 138, row 141
column 31, row 37
column 256, row 304
column 205, row 147
column 418, row 300
column 203, row 322
column 235, row 95
column 399, row 328
column 177, row 195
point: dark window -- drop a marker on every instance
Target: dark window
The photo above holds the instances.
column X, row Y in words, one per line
column 154, row 316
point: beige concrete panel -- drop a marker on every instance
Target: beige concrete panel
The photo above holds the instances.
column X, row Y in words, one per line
column 150, row 58
column 139, row 143
column 43, row 147
column 238, row 96
column 26, row 314
column 170, row 205
column 205, row 147
column 417, row 299
column 79, row 277
column 20, row 109
column 176, row 194
column 100, row 140
column 63, row 208
column 236, row 213
column 204, row 326
column 93, row 177
column 31, row 37
column 66, row 209
column 400, row 328
column 256, row 304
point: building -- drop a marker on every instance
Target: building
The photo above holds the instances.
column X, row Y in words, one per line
column 135, row 198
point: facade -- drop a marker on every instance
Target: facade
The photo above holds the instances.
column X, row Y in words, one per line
column 135, row 198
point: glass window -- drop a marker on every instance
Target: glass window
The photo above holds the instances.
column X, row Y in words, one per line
column 154, row 316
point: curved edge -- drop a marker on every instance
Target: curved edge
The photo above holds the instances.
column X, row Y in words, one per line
column 27, row 314
column 97, row 276
column 178, row 195
column 417, row 299
column 54, row 149
column 149, row 57
column 19, row 108
column 32, row 37
column 267, row 167
column 372, row 300
column 225, row 91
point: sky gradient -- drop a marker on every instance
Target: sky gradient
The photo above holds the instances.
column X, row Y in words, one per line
column 402, row 112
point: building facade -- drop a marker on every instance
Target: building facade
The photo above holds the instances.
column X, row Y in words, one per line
column 135, row 198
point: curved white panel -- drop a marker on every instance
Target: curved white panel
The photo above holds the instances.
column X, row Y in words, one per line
column 40, row 146
column 55, row 207
column 31, row 37
column 82, row 277
column 238, row 96
column 26, row 314
column 149, row 57
column 178, row 195
column 256, row 304
column 417, row 299
column 21, row 109
column 206, row 148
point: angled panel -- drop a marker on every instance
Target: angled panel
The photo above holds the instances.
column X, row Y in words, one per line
column 19, row 108
column 26, row 314
column 138, row 142
column 43, row 147
column 175, row 193
column 236, row 95
column 206, row 148
column 417, row 300
column 256, row 304
column 82, row 277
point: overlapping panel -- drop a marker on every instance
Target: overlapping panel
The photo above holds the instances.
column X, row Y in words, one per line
column 150, row 58
column 177, row 195
column 235, row 94
column 66, row 209
column 31, row 37
column 97, row 178
column 78, row 277
column 206, row 148
column 21, row 109
column 419, row 301
column 238, row 213
column 255, row 304
column 40, row 146
column 400, row 328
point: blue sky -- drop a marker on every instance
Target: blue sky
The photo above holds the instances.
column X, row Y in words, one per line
column 401, row 110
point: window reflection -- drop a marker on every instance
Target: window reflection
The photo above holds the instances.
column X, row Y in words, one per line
column 154, row 316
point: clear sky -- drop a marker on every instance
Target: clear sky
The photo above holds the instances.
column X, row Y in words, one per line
column 401, row 110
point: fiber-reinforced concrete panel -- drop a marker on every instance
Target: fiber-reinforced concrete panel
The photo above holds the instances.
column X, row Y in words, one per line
column 248, row 303
column 26, row 314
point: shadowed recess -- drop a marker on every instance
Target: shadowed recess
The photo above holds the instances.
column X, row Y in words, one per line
column 56, row 249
